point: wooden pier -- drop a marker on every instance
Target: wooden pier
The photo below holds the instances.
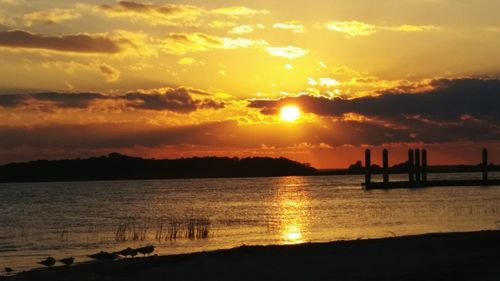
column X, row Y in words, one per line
column 417, row 169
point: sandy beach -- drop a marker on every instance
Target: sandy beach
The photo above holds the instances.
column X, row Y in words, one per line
column 448, row 256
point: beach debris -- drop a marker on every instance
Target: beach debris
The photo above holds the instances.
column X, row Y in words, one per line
column 8, row 269
column 146, row 250
column 104, row 256
column 48, row 262
column 67, row 261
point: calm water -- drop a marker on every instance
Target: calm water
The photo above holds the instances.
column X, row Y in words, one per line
column 80, row 218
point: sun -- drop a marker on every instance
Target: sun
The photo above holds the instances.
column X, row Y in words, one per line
column 290, row 113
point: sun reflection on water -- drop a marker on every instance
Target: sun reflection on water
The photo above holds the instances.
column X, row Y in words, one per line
column 292, row 210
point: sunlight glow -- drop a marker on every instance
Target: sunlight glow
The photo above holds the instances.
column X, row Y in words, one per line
column 293, row 210
column 292, row 234
column 290, row 113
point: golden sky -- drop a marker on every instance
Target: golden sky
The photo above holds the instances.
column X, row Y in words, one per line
column 184, row 78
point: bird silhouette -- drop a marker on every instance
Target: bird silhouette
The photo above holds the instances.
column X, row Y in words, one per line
column 103, row 256
column 49, row 261
column 146, row 250
column 133, row 253
column 127, row 252
column 8, row 269
column 67, row 261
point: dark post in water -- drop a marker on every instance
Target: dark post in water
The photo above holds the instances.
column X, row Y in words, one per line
column 368, row 164
column 410, row 165
column 485, row 164
column 417, row 165
column 385, row 164
column 424, row 165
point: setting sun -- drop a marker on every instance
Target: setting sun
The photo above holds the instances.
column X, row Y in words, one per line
column 290, row 113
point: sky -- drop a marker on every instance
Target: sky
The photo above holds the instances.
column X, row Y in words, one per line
column 169, row 79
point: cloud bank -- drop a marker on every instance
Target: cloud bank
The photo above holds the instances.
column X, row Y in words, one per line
column 460, row 109
column 179, row 100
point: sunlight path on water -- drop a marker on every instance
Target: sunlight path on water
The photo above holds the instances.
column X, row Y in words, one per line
column 180, row 216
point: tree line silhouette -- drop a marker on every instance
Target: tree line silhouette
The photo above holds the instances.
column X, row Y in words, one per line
column 116, row 166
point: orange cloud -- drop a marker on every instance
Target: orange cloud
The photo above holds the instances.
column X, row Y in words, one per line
column 171, row 14
column 289, row 52
column 110, row 73
column 352, row 28
column 182, row 43
column 238, row 11
column 50, row 16
column 292, row 26
column 357, row 28
column 168, row 14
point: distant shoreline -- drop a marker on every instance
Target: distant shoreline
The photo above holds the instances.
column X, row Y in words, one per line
column 442, row 256
column 120, row 167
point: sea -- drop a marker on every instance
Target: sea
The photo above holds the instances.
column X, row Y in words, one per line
column 76, row 219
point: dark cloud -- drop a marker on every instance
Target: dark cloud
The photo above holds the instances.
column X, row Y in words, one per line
column 167, row 10
column 461, row 109
column 62, row 100
column 80, row 43
column 449, row 100
column 65, row 100
column 177, row 100
column 133, row 6
column 211, row 104
column 109, row 135
column 12, row 100
column 174, row 99
column 62, row 140
column 4, row 27
column 215, row 134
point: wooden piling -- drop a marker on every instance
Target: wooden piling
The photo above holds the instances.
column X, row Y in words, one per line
column 485, row 164
column 418, row 169
column 410, row 165
column 368, row 165
column 417, row 165
column 385, row 164
column 424, row 165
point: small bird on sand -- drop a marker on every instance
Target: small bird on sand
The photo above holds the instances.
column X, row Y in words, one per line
column 67, row 261
column 8, row 269
column 49, row 261
column 133, row 253
column 146, row 250
column 124, row 252
column 104, row 256
column 127, row 252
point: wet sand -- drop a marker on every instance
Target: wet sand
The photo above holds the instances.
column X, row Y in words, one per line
column 449, row 256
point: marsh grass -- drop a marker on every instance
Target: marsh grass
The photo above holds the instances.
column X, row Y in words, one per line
column 164, row 230
column 167, row 230
column 131, row 231
column 173, row 229
column 198, row 228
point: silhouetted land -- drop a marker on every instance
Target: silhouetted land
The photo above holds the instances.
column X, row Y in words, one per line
column 120, row 167
column 431, row 257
